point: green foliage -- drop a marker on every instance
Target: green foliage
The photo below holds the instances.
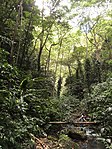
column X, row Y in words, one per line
column 3, row 56
column 88, row 74
column 66, row 142
column 68, row 105
column 8, row 75
column 96, row 77
column 100, row 105
column 19, row 119
column 43, row 85
column 75, row 83
column 22, row 112
column 74, row 87
column 26, row 93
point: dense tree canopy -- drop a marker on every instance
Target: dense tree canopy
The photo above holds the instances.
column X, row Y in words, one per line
column 55, row 60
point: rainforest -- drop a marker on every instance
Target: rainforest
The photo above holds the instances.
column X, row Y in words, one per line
column 55, row 74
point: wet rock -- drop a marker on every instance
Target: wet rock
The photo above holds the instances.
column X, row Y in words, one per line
column 76, row 136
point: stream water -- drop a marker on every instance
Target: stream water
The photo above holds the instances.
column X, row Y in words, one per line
column 93, row 142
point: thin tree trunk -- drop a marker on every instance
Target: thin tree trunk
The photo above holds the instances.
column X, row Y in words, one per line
column 56, row 66
column 69, row 70
column 49, row 57
column 18, row 20
column 20, row 13
column 25, row 43
column 42, row 44
column 39, row 58
column 86, row 46
column 48, row 60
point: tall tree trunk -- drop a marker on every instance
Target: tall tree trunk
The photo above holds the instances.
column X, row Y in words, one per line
column 18, row 21
column 86, row 46
column 49, row 57
column 39, row 58
column 56, row 66
column 20, row 12
column 48, row 61
column 25, row 46
column 42, row 45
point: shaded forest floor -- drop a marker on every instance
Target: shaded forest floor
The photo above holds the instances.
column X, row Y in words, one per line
column 51, row 142
column 61, row 140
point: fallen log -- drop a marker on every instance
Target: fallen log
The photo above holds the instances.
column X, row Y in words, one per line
column 74, row 123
